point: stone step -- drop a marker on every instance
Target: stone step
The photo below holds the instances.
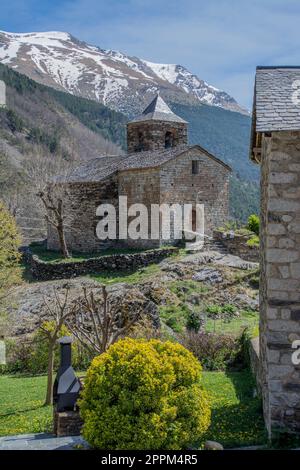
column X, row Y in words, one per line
column 215, row 245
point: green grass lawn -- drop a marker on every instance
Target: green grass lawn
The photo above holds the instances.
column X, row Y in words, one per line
column 21, row 405
column 246, row 319
column 236, row 415
column 175, row 316
column 130, row 277
column 51, row 256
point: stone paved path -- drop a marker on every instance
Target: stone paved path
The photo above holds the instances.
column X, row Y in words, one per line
column 41, row 441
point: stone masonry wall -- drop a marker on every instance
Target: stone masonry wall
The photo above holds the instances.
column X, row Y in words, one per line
column 174, row 183
column 210, row 187
column 140, row 187
column 80, row 203
column 153, row 135
column 280, row 279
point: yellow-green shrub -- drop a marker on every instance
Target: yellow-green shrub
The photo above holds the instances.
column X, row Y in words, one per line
column 253, row 241
column 10, row 241
column 144, row 395
column 253, row 223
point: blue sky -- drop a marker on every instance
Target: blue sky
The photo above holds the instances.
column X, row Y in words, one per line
column 220, row 40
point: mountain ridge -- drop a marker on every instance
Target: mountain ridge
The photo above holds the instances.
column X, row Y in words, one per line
column 122, row 82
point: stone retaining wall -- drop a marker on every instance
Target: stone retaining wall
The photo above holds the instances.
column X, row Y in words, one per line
column 237, row 245
column 45, row 271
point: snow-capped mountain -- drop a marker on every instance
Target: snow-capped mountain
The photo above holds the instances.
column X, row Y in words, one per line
column 119, row 81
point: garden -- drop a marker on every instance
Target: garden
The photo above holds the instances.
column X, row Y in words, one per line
column 233, row 407
column 162, row 350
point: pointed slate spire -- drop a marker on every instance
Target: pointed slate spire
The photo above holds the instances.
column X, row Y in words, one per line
column 158, row 110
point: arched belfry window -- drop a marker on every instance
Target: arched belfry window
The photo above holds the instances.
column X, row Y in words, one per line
column 169, row 140
column 141, row 142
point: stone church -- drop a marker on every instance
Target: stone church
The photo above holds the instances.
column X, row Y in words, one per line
column 159, row 167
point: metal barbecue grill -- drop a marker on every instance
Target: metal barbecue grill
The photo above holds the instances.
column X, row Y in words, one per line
column 66, row 385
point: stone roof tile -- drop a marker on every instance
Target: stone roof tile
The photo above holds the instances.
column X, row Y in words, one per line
column 100, row 168
column 158, row 110
column 92, row 170
column 274, row 104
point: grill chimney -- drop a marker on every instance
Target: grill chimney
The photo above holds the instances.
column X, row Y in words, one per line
column 66, row 385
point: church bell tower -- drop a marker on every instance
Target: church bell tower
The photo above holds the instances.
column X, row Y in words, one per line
column 156, row 129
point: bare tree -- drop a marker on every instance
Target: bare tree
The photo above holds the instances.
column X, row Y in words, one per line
column 94, row 320
column 40, row 168
column 98, row 323
column 58, row 310
column 53, row 200
column 51, row 193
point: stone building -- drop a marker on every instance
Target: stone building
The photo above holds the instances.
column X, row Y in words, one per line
column 160, row 167
column 276, row 146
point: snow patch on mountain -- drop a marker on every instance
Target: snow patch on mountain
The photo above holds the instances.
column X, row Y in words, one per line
column 119, row 81
column 190, row 83
column 165, row 71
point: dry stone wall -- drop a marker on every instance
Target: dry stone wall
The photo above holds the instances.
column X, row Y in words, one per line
column 237, row 245
column 44, row 271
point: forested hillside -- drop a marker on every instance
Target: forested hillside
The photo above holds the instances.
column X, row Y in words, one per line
column 95, row 116
column 44, row 131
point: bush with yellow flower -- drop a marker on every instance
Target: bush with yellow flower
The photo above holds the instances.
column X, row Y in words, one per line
column 144, row 395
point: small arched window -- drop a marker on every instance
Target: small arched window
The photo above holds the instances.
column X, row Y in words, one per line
column 169, row 140
column 195, row 167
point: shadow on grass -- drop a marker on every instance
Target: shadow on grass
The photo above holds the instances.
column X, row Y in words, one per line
column 23, row 375
column 237, row 418
column 23, row 410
